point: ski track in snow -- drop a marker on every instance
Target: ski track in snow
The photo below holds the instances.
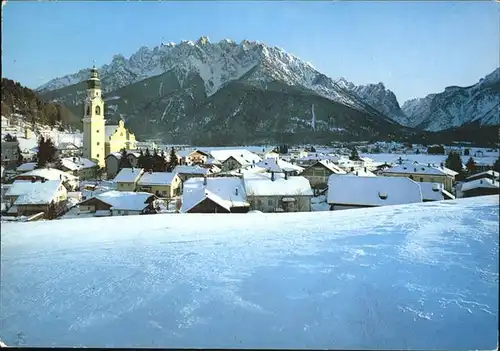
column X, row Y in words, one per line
column 415, row 276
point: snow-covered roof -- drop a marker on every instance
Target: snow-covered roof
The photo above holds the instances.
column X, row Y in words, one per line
column 190, row 170
column 491, row 173
column 331, row 166
column 128, row 175
column 118, row 155
column 125, row 200
column 67, row 146
column 371, row 191
column 226, row 191
column 238, row 281
column 37, row 193
column 480, row 183
column 157, row 178
column 26, row 167
column 238, row 154
column 212, row 161
column 50, row 174
column 278, row 165
column 260, row 184
column 362, row 173
column 416, row 168
column 431, row 191
column 76, row 163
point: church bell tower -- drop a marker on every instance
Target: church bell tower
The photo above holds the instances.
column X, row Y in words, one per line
column 93, row 120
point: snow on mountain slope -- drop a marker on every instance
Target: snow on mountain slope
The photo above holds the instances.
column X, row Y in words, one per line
column 457, row 106
column 217, row 64
column 381, row 99
column 394, row 281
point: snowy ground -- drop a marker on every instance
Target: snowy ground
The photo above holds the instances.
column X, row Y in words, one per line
column 415, row 277
column 488, row 158
column 319, row 204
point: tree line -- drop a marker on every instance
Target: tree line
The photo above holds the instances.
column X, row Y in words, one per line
column 155, row 161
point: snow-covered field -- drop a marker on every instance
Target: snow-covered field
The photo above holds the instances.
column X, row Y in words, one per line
column 488, row 158
column 414, row 277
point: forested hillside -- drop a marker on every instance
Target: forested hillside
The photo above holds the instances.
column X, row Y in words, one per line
column 21, row 102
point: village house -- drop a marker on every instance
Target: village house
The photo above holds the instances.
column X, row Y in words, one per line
column 363, row 172
column 349, row 192
column 277, row 192
column 480, row 187
column 127, row 178
column 214, row 195
column 81, row 167
column 69, row 181
column 133, row 158
column 234, row 159
column 434, row 192
column 67, row 149
column 120, row 203
column 10, row 156
column 423, row 173
column 493, row 175
column 278, row 165
column 318, row 173
column 26, row 198
column 187, row 172
column 192, row 157
column 112, row 162
column 162, row 184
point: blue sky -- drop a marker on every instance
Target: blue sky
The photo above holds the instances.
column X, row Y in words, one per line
column 413, row 48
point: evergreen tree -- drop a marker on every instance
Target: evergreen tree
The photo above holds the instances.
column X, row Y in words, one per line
column 141, row 161
column 454, row 162
column 20, row 158
column 471, row 165
column 173, row 160
column 496, row 165
column 162, row 162
column 148, row 164
column 124, row 161
column 354, row 155
column 41, row 155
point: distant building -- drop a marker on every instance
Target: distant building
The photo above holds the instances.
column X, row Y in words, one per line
column 277, row 192
column 423, row 173
column 434, row 192
column 480, row 187
column 99, row 140
column 162, row 184
column 214, row 195
column 318, row 173
column 127, row 178
column 81, row 167
column 27, row 198
column 120, row 203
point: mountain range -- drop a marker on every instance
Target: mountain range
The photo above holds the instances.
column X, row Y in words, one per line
column 233, row 93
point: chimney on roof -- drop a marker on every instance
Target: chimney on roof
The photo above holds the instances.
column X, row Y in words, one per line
column 356, row 172
column 365, row 169
column 414, row 169
column 286, row 175
column 441, row 164
column 60, row 176
column 272, row 176
column 429, row 164
column 43, row 180
column 236, row 191
column 204, row 180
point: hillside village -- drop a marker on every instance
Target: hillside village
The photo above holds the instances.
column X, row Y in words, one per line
column 105, row 171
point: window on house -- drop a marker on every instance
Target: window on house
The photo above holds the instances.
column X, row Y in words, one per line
column 270, row 202
column 97, row 155
column 98, row 110
column 421, row 179
column 97, row 131
column 97, row 143
column 119, row 212
column 121, row 134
